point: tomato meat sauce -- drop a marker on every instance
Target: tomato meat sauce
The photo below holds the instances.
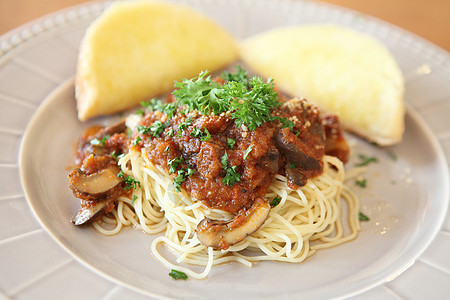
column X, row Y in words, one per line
column 218, row 157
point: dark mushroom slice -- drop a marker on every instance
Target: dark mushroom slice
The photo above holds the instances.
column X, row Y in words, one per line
column 112, row 129
column 95, row 185
column 89, row 213
column 97, row 192
column 296, row 176
column 271, row 161
column 223, row 234
column 295, row 151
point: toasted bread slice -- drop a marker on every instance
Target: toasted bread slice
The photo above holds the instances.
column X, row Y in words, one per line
column 342, row 71
column 136, row 50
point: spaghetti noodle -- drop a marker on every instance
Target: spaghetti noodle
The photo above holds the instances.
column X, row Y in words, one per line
column 227, row 169
column 306, row 220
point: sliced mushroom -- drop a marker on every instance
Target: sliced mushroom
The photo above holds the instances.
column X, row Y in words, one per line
column 95, row 185
column 110, row 130
column 295, row 151
column 96, row 191
column 271, row 160
column 223, row 234
column 296, row 176
column 89, row 213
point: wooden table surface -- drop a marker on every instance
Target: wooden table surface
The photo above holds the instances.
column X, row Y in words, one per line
column 429, row 19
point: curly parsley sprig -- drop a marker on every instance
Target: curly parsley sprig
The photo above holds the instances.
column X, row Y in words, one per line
column 250, row 101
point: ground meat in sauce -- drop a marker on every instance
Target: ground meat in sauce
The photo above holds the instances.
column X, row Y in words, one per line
column 180, row 143
column 258, row 168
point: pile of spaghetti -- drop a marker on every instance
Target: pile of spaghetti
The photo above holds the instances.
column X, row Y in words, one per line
column 225, row 170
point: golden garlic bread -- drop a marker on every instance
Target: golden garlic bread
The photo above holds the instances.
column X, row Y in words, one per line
column 341, row 70
column 136, row 49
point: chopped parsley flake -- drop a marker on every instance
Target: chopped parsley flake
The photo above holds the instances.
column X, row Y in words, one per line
column 363, row 217
column 136, row 141
column 143, row 129
column 130, row 183
column 230, row 143
column 153, row 104
column 140, row 112
column 185, row 124
column 177, row 275
column 392, row 155
column 190, row 171
column 247, row 152
column 179, row 180
column 365, row 160
column 134, row 199
column 158, row 127
column 275, row 201
column 196, row 132
column 167, row 148
column 292, row 166
column 102, row 142
column 231, row 175
column 361, row 183
column 199, row 134
column 173, row 164
column 206, row 135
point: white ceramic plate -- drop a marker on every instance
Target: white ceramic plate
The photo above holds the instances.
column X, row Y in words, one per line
column 406, row 199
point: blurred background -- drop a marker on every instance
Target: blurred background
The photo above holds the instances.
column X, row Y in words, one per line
column 429, row 19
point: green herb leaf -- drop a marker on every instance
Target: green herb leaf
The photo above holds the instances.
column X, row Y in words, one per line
column 231, row 175
column 153, row 105
column 196, row 132
column 206, row 136
column 185, row 124
column 143, row 129
column 189, row 171
column 361, row 183
column 247, row 152
column 102, row 142
column 230, row 143
column 363, row 217
column 167, row 148
column 179, row 180
column 131, row 183
column 240, row 76
column 365, row 160
column 140, row 112
column 134, row 199
column 392, row 155
column 224, row 160
column 136, row 141
column 177, row 275
column 250, row 101
column 157, row 128
column 275, row 201
column 173, row 164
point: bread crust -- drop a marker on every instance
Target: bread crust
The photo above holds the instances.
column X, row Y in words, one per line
column 343, row 71
column 136, row 50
